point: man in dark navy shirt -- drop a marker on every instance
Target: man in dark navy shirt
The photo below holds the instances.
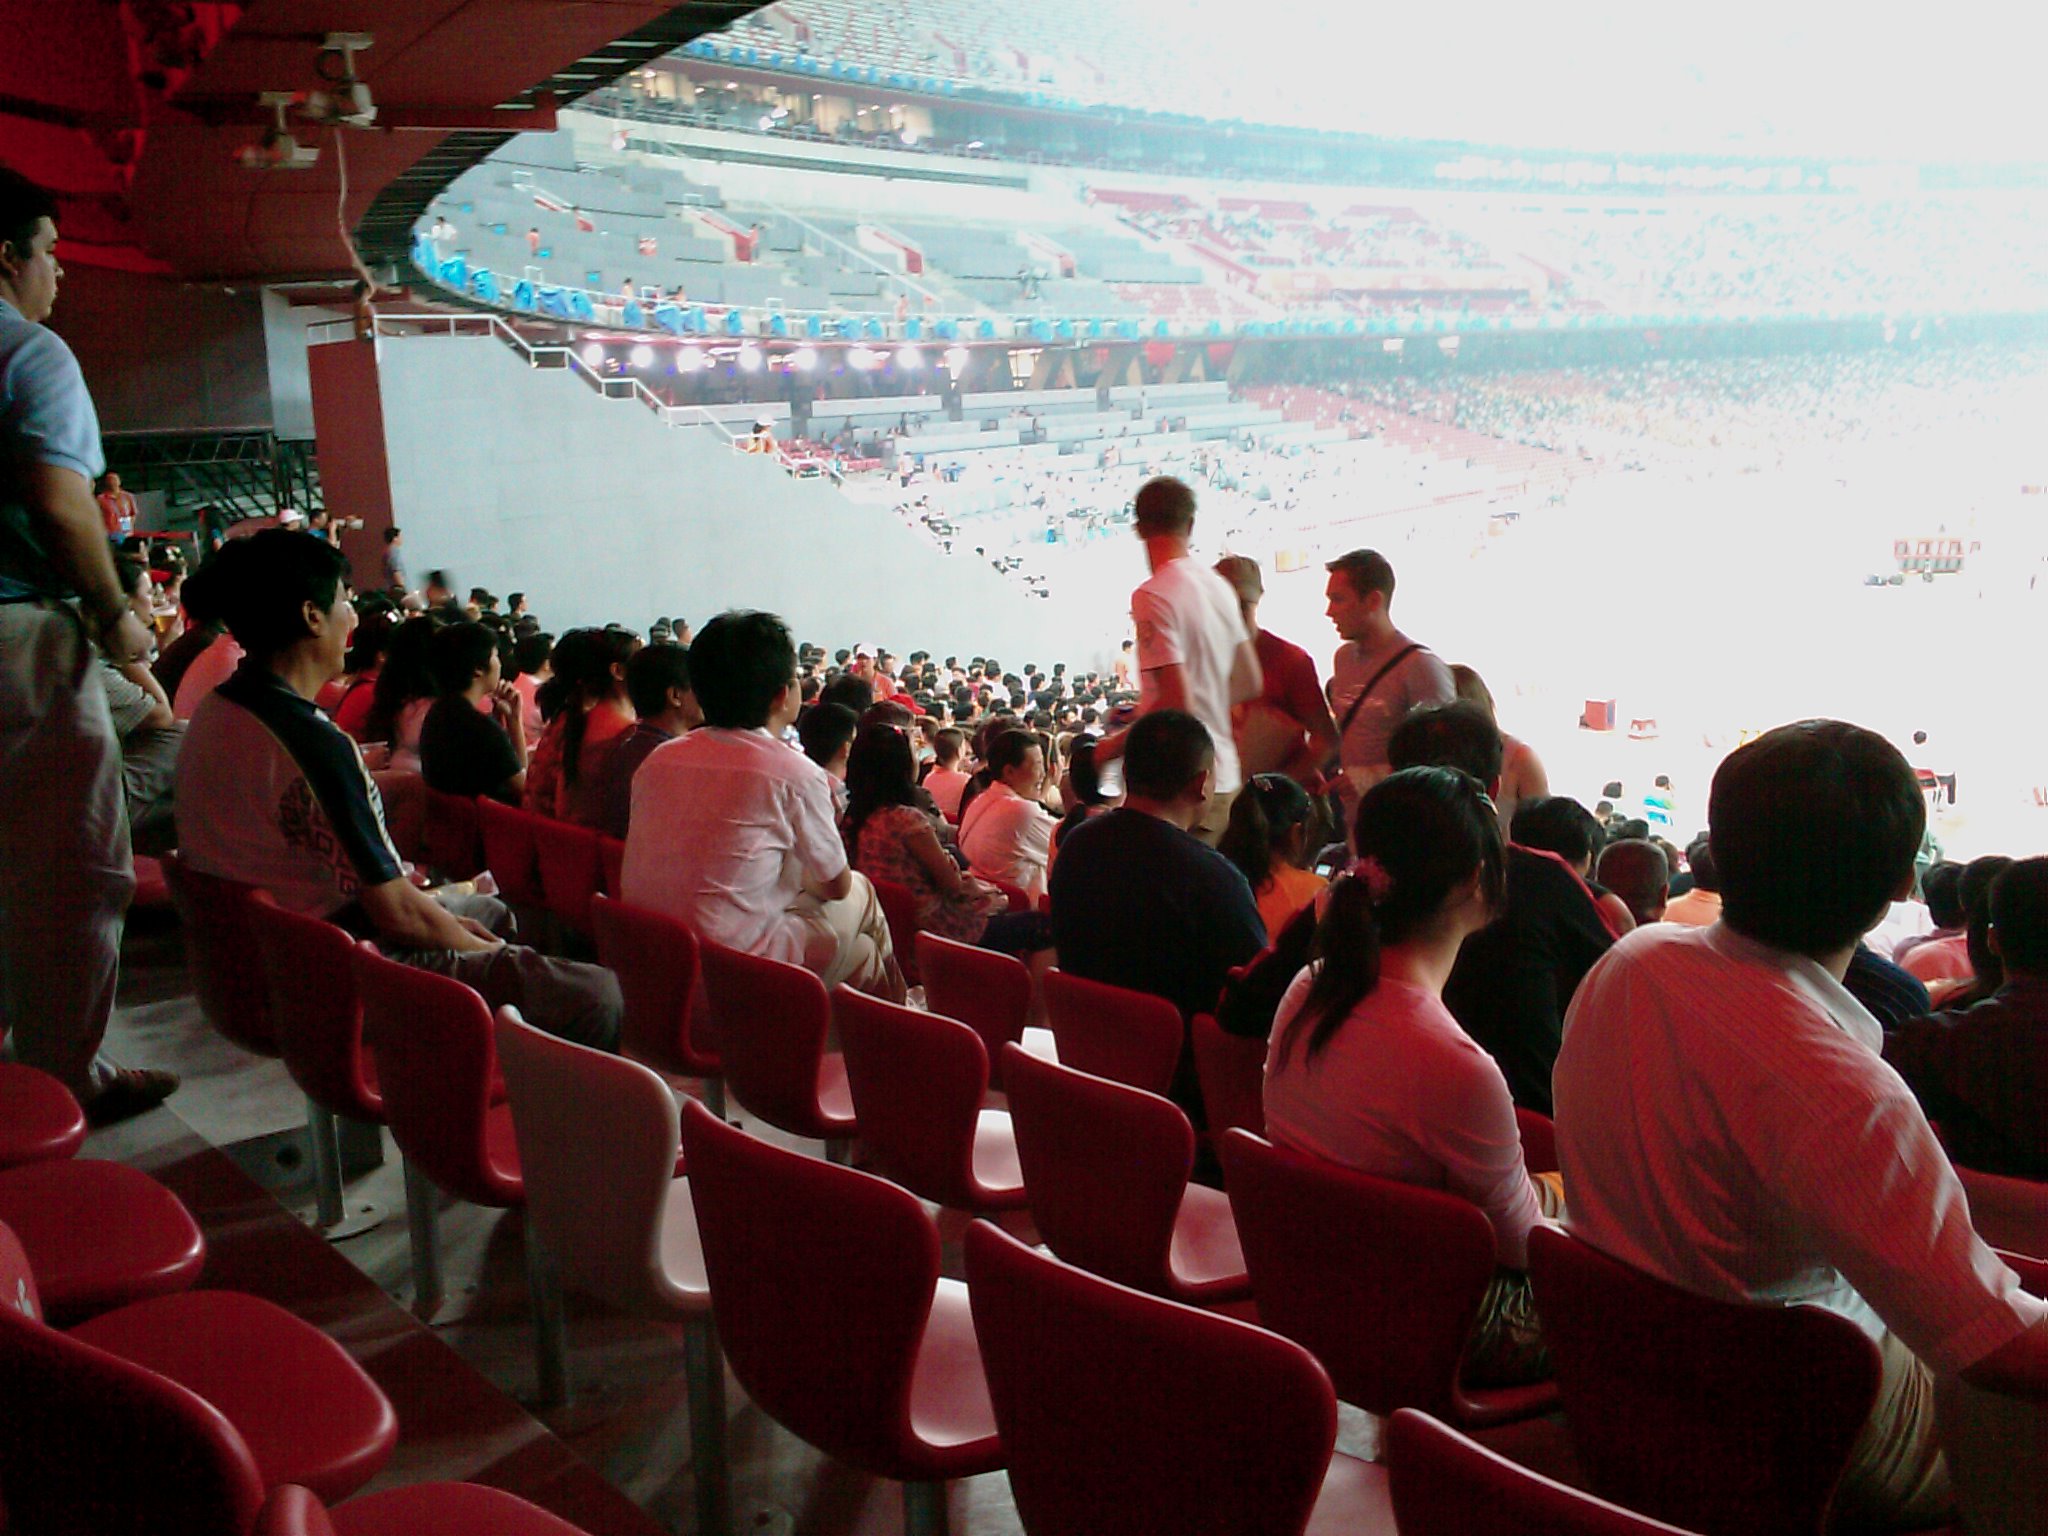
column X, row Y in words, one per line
column 272, row 793
column 1139, row 902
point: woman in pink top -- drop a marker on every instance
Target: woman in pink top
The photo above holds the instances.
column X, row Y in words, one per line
column 1368, row 1068
column 588, row 711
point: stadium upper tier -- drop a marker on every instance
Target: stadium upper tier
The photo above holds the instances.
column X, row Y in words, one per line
column 692, row 231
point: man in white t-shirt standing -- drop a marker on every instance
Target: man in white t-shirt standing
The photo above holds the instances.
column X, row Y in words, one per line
column 1194, row 652
column 1379, row 675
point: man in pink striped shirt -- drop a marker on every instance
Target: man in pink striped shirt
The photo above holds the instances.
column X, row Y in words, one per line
column 1725, row 1121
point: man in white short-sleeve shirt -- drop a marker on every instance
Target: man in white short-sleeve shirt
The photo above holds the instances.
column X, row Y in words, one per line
column 734, row 833
column 1194, row 652
column 1725, row 1121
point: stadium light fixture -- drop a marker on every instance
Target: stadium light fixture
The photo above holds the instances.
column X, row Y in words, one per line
column 956, row 360
column 643, row 356
column 804, row 359
column 594, row 355
column 909, row 357
column 750, row 358
column 688, row 359
column 862, row 358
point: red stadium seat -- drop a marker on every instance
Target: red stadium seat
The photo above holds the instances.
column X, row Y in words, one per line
column 1113, row 1032
column 918, row 1081
column 507, row 836
column 826, row 1290
column 1232, row 1072
column 39, row 1119
column 227, row 971
column 987, row 991
column 656, row 961
column 611, row 852
column 571, row 867
column 1539, row 1140
column 770, row 1020
column 2008, row 1213
column 450, row 839
column 1378, row 1280
column 444, row 1509
column 1106, row 1170
column 899, row 910
column 100, row 1235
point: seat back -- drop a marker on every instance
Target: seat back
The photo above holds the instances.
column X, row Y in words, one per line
column 1124, row 1412
column 510, row 854
column 1105, row 1167
column 771, row 1019
column 436, row 1064
column 655, row 958
column 310, row 965
column 598, row 1137
column 918, row 1080
column 1752, row 1410
column 404, row 796
column 450, row 839
column 1377, row 1280
column 571, row 870
column 611, row 857
column 988, row 992
column 821, row 1280
column 899, row 910
column 1447, row 1485
column 1232, row 1072
column 1539, row 1140
column 227, row 972
column 1113, row 1032
column 93, row 1445
column 2008, row 1213
column 293, row 1511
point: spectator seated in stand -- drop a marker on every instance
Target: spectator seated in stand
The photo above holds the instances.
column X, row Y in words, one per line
column 532, row 649
column 1367, row 1067
column 272, row 794
column 826, row 734
column 1700, row 906
column 1984, row 970
column 945, row 782
column 1941, row 887
column 473, row 741
column 1006, row 832
column 1888, row 992
column 1559, row 824
column 1514, row 977
column 587, row 710
column 1636, row 871
column 1271, row 831
column 150, row 734
column 346, row 701
column 202, row 629
column 658, row 684
column 1981, row 1072
column 894, row 838
column 1139, row 902
column 1725, row 1124
column 402, row 694
column 735, row 834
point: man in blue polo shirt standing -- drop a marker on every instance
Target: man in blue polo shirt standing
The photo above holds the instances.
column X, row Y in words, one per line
column 66, row 874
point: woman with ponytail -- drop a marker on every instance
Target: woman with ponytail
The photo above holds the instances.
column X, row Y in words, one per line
column 1267, row 839
column 587, row 711
column 1367, row 1067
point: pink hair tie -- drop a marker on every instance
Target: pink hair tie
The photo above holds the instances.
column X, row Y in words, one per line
column 1378, row 883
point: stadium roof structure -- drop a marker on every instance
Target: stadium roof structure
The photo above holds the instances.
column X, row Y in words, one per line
column 142, row 117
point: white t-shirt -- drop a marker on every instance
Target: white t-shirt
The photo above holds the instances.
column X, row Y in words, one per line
column 1422, row 678
column 1007, row 837
column 726, row 827
column 946, row 786
column 1188, row 616
column 1726, row 1123
column 1401, row 1092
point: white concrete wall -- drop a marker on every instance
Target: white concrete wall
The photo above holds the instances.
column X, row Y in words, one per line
column 519, row 479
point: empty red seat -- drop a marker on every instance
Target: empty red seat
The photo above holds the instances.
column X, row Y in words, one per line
column 1378, row 1280
column 1539, row 1140
column 918, row 1082
column 571, row 868
column 611, row 852
column 306, row 1411
column 770, row 1020
column 227, row 969
column 826, row 1291
column 987, row 991
column 39, row 1119
column 656, row 961
column 1113, row 1032
column 152, row 891
column 1232, row 1072
column 1447, row 1485
column 423, row 1509
column 2008, row 1213
column 899, row 910
column 506, row 835
column 1106, row 1171
column 450, row 838
column 1120, row 1411
column 100, row 1235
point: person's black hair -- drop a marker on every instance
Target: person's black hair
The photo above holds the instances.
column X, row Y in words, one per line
column 1942, row 889
column 1979, row 877
column 23, row 206
column 841, row 657
column 1261, row 818
column 457, row 654
column 367, row 645
column 391, row 534
column 202, row 596
column 1699, row 859
column 887, row 712
column 1636, row 870
column 513, row 600
column 739, row 662
column 265, row 582
column 583, row 677
column 1612, row 789
column 1367, row 570
column 1007, row 749
column 1556, row 824
column 653, row 671
column 824, row 729
column 1165, row 753
column 440, row 578
column 2019, row 913
column 881, row 770
column 1457, row 735
column 531, row 650
column 1426, row 831
column 403, row 677
column 1164, row 505
column 856, row 693
column 130, row 573
column 1815, row 827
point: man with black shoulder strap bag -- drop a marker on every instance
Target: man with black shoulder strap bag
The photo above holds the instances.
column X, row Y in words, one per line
column 1379, row 674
